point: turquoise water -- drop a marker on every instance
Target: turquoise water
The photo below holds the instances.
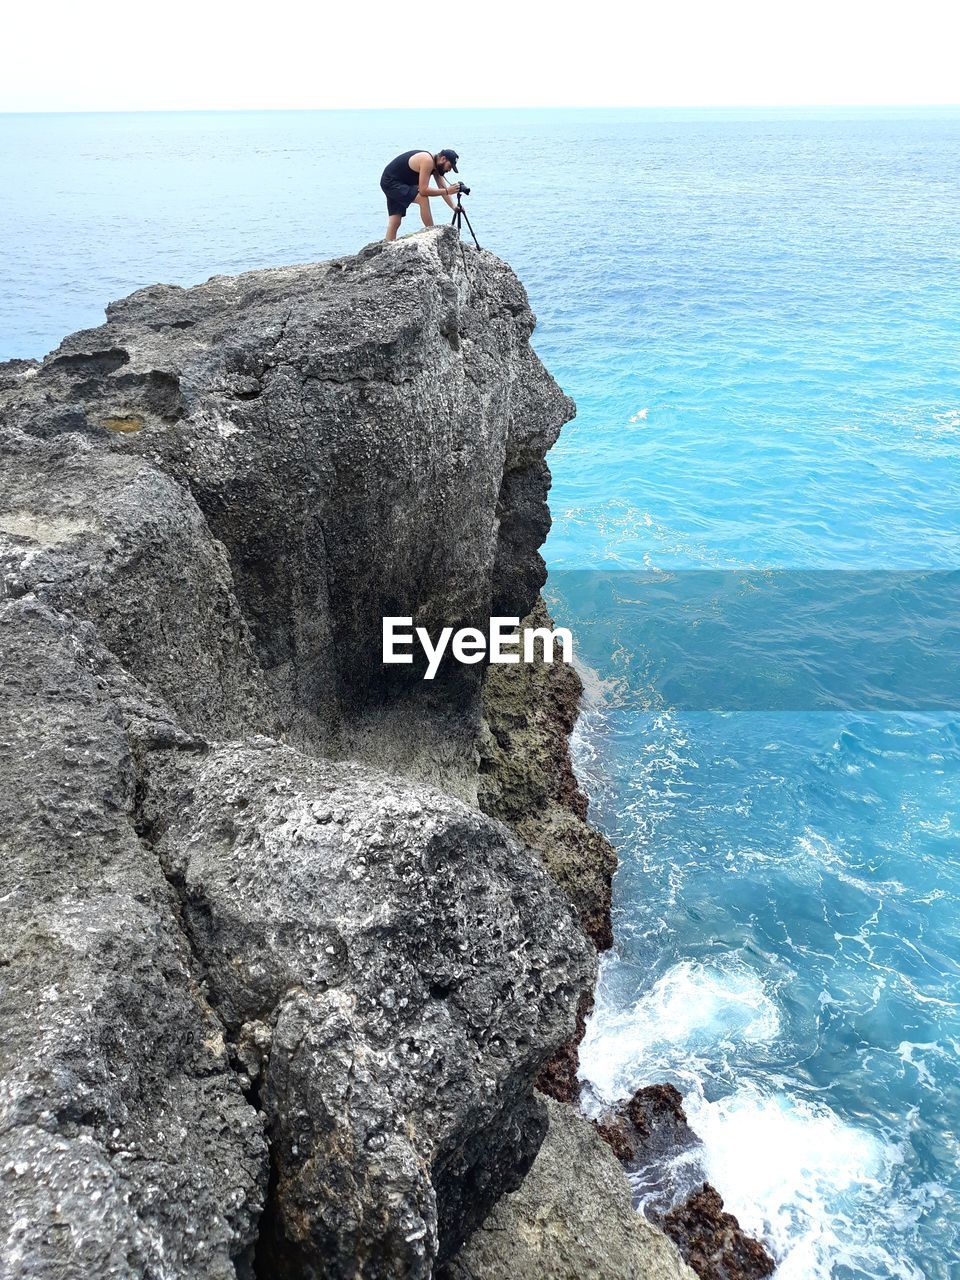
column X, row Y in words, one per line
column 759, row 318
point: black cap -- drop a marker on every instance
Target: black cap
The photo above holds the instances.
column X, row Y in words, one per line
column 452, row 157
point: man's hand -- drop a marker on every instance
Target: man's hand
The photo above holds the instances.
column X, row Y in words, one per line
column 453, row 188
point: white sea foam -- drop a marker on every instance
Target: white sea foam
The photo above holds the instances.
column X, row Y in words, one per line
column 597, row 691
column 948, row 420
column 590, row 730
column 640, row 416
column 794, row 1173
column 906, row 1051
column 689, row 1011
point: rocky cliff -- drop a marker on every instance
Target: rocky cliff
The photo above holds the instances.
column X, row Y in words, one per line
column 276, row 988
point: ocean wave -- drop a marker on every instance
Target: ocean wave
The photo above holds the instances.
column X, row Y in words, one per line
column 809, row 1183
column 796, row 1174
column 688, row 1012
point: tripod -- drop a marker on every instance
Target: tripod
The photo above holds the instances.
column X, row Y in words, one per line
column 459, row 217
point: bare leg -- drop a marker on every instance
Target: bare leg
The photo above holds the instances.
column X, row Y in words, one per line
column 425, row 214
column 393, row 226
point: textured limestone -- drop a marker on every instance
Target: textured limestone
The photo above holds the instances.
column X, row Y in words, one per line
column 527, row 778
column 413, row 964
column 364, row 437
column 572, row 1218
column 118, row 543
column 127, row 1147
column 215, row 940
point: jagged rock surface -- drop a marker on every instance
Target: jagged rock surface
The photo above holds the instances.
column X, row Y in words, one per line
column 571, row 1218
column 713, row 1241
column 527, row 778
column 206, row 506
column 649, row 1133
column 364, row 437
column 408, row 962
column 127, row 1147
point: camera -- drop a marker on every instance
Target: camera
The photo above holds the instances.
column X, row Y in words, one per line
column 464, row 190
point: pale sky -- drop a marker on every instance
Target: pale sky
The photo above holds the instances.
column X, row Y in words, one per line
column 121, row 55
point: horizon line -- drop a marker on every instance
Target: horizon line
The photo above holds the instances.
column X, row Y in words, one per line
column 706, row 106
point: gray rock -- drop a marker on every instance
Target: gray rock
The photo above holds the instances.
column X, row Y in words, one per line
column 127, row 1147
column 212, row 939
column 527, row 780
column 572, row 1219
column 413, row 966
column 111, row 540
column 364, row 437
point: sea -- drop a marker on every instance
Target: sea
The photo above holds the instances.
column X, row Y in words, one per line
column 756, row 543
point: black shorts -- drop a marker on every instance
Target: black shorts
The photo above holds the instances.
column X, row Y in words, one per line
column 399, row 195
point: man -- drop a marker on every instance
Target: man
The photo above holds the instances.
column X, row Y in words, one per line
column 406, row 180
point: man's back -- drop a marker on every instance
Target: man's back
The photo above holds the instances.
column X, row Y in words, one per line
column 400, row 170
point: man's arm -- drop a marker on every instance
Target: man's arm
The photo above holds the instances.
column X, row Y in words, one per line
column 427, row 171
column 442, row 184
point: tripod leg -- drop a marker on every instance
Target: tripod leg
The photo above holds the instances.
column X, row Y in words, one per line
column 472, row 232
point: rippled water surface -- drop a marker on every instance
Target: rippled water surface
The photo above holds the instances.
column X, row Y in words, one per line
column 759, row 318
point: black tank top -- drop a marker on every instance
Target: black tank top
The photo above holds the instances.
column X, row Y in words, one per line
column 399, row 170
